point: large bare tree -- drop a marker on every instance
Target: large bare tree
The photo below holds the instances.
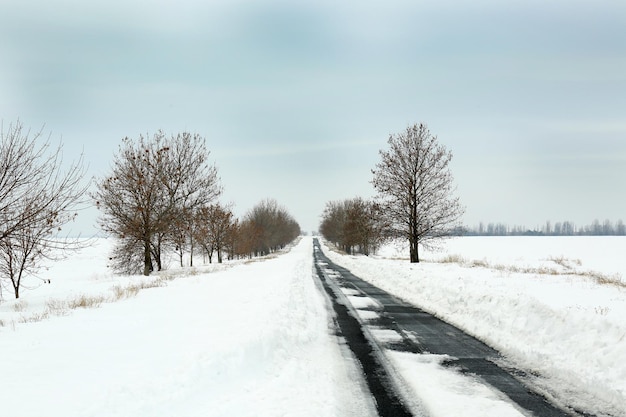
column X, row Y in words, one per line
column 156, row 182
column 39, row 195
column 415, row 188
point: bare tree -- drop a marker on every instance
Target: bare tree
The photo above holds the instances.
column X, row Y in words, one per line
column 180, row 235
column 214, row 226
column 221, row 225
column 247, row 238
column 333, row 220
column 620, row 228
column 39, row 194
column 127, row 257
column 154, row 181
column 202, row 231
column 364, row 227
column 231, row 244
column 568, row 228
column 415, row 189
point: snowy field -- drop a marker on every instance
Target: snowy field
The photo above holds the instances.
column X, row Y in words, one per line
column 555, row 306
column 245, row 339
column 253, row 338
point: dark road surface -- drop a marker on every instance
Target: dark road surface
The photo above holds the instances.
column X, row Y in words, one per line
column 379, row 382
column 430, row 335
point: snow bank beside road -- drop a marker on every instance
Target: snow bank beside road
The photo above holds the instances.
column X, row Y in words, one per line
column 566, row 328
column 252, row 340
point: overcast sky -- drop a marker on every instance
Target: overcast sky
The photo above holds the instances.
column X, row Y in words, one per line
column 295, row 99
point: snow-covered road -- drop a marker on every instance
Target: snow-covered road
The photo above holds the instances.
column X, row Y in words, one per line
column 252, row 340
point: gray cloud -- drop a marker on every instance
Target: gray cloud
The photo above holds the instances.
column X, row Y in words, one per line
column 529, row 96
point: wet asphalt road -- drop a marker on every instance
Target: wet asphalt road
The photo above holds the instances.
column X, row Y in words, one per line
column 420, row 333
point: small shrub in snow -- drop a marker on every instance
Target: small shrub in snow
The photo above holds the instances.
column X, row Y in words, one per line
column 453, row 259
column 615, row 279
column 20, row 306
column 543, row 270
column 132, row 290
column 171, row 277
column 480, row 264
column 85, row 301
column 566, row 263
column 35, row 317
column 57, row 307
column 120, row 292
column 603, row 311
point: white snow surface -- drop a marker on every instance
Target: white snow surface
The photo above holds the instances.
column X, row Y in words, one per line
column 248, row 339
column 254, row 338
column 554, row 306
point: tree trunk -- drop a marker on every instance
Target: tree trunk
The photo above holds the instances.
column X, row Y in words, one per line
column 158, row 256
column 413, row 251
column 147, row 258
column 15, row 281
column 191, row 250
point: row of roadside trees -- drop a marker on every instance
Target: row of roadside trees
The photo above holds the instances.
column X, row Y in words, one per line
column 160, row 197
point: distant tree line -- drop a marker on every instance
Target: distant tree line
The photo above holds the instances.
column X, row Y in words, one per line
column 565, row 228
column 264, row 229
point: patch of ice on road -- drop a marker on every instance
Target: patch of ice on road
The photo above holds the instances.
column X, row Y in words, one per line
column 444, row 392
column 368, row 314
column 362, row 302
column 385, row 335
column 350, row 291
